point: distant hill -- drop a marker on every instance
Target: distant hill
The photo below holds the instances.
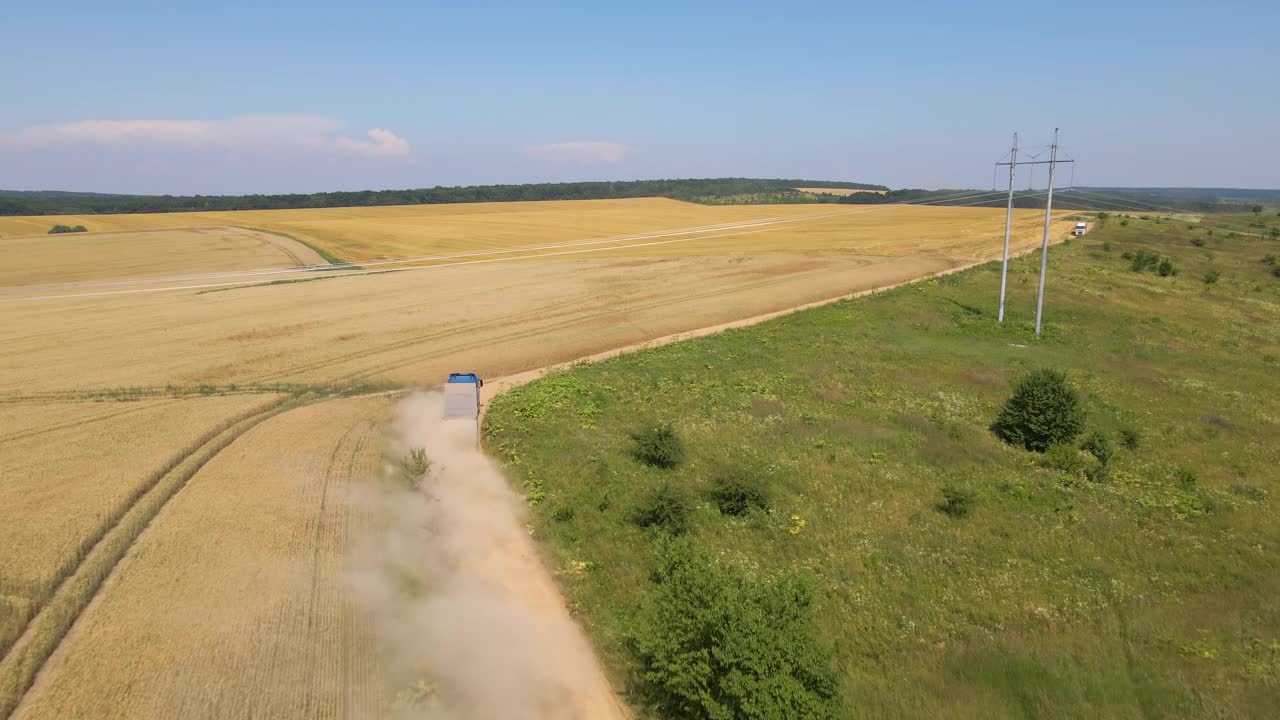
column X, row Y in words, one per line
column 695, row 190
column 1192, row 193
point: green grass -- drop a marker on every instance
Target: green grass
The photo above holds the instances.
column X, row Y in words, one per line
column 1140, row 596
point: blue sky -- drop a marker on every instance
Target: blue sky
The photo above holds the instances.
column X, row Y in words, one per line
column 235, row 97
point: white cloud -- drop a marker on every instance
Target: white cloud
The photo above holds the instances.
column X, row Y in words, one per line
column 581, row 151
column 247, row 134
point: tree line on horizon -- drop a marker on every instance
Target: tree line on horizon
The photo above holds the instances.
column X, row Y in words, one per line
column 62, row 203
column 710, row 191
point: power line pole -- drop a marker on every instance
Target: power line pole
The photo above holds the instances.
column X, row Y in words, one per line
column 1008, row 222
column 1044, row 247
column 1052, row 162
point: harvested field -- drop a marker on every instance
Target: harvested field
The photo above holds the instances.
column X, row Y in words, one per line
column 361, row 234
column 73, row 257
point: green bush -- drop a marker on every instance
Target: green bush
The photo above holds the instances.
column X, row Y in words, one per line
column 658, row 445
column 736, row 492
column 1097, row 445
column 1166, row 268
column 1130, row 438
column 1124, row 223
column 956, row 502
column 1211, row 277
column 1044, row 410
column 414, row 467
column 717, row 645
column 1185, row 477
column 1144, row 260
column 563, row 513
column 664, row 508
column 59, row 229
column 1064, row 458
column 1198, row 242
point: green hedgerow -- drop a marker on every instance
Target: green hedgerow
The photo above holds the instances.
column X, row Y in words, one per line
column 1044, row 410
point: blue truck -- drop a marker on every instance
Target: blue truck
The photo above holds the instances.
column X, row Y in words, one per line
column 462, row 399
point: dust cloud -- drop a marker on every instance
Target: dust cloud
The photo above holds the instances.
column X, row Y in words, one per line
column 470, row 625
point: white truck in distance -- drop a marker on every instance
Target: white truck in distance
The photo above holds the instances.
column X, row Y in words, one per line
column 1080, row 229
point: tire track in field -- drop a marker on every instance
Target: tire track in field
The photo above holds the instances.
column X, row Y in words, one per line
column 332, row 530
column 27, row 659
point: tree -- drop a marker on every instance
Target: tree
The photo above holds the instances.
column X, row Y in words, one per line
column 1044, row 410
column 1275, row 232
column 1257, row 209
column 718, row 645
column 1211, row 277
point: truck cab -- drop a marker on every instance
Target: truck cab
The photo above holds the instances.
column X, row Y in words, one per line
column 1080, row 229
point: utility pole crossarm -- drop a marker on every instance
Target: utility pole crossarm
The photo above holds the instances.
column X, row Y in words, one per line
column 1038, row 162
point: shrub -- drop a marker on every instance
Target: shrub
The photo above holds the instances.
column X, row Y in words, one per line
column 1166, row 268
column 1126, row 255
column 1124, row 223
column 658, row 445
column 1269, row 260
column 1096, row 473
column 1144, row 260
column 1043, row 410
column 1064, row 458
column 1106, row 246
column 956, row 501
column 1097, row 445
column 717, row 645
column 563, row 513
column 1130, row 438
column 59, row 229
column 735, row 492
column 1197, row 241
column 414, row 467
column 664, row 508
column 1211, row 277
column 1185, row 477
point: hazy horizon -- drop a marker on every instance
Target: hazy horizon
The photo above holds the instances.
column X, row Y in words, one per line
column 242, row 98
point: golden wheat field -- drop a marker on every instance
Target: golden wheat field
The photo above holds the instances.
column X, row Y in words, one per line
column 176, row 436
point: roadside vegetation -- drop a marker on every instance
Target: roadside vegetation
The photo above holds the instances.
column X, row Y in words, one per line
column 897, row 507
column 60, row 229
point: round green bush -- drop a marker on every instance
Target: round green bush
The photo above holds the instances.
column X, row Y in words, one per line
column 1043, row 411
column 658, row 445
column 735, row 491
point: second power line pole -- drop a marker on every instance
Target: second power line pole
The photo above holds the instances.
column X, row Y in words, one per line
column 1008, row 222
column 1044, row 247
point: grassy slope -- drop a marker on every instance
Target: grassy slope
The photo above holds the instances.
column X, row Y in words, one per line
column 1056, row 597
